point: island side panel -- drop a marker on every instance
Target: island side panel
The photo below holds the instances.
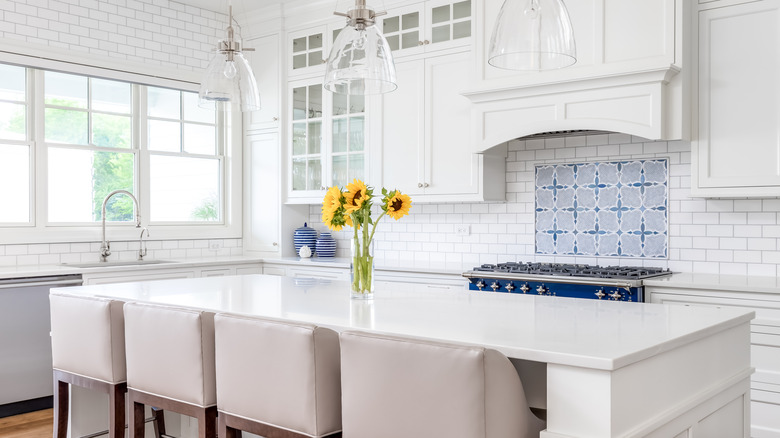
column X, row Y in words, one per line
column 664, row 395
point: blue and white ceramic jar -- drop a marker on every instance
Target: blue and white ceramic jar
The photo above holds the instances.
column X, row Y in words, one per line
column 326, row 245
column 304, row 235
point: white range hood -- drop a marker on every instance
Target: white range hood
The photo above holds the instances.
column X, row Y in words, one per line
column 627, row 78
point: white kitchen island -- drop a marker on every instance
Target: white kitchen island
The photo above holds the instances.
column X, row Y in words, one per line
column 613, row 369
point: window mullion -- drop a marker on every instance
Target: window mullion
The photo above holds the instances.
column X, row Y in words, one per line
column 40, row 153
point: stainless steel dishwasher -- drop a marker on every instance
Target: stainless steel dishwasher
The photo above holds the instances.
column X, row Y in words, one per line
column 25, row 344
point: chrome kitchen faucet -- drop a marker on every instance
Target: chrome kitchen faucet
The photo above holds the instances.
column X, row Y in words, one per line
column 105, row 247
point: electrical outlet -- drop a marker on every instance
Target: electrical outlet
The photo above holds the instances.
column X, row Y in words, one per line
column 462, row 230
column 215, row 246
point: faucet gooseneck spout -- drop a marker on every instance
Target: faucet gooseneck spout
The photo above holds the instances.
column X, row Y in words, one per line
column 105, row 247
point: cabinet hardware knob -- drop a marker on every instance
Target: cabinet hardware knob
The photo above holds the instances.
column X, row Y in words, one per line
column 322, row 187
column 419, row 185
column 427, row 42
column 275, row 244
column 420, row 43
column 324, row 61
column 276, row 118
column 426, row 185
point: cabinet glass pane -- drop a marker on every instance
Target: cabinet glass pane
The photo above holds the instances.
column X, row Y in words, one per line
column 357, row 104
column 65, row 126
column 410, row 21
column 315, row 137
column 356, row 134
column 299, row 61
column 314, row 177
column 356, row 167
column 340, row 135
column 299, row 45
column 410, row 39
column 299, row 138
column 299, row 103
column 315, row 41
column 461, row 30
column 65, row 90
column 315, row 58
column 13, row 84
column 299, row 174
column 200, row 139
column 340, row 104
column 391, row 24
column 13, row 121
column 441, row 33
column 164, row 136
column 340, row 171
column 163, row 103
column 461, row 10
column 315, row 101
column 111, row 131
column 336, row 33
column 14, row 172
column 111, row 96
column 441, row 14
column 393, row 42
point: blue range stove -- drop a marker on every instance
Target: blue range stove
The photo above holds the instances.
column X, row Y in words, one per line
column 616, row 283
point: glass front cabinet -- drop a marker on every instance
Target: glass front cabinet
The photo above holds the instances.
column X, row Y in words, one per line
column 327, row 135
column 428, row 26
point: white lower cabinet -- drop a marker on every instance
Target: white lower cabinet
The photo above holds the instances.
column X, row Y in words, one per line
column 423, row 131
column 765, row 346
column 298, row 271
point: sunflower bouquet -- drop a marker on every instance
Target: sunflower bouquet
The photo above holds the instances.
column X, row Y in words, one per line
column 352, row 207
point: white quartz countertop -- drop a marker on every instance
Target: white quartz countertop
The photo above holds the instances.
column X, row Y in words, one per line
column 594, row 334
column 730, row 283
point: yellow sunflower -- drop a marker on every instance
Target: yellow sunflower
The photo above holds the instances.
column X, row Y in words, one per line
column 398, row 205
column 356, row 195
column 331, row 204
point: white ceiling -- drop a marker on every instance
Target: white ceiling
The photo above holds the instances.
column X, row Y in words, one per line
column 239, row 6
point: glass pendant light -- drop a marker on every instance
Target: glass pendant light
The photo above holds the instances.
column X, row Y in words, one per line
column 360, row 61
column 532, row 35
column 229, row 77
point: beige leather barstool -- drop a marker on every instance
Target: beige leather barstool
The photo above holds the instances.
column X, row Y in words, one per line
column 170, row 364
column 277, row 379
column 88, row 350
column 394, row 386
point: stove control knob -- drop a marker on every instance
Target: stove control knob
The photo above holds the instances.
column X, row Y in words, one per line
column 525, row 288
column 541, row 290
column 495, row 286
column 616, row 295
column 480, row 284
column 509, row 287
column 600, row 293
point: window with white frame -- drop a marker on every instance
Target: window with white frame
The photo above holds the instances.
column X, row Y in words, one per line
column 83, row 137
column 15, row 147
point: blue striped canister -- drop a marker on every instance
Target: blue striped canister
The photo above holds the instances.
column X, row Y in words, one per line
column 304, row 235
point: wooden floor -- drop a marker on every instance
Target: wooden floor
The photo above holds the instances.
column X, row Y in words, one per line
column 33, row 425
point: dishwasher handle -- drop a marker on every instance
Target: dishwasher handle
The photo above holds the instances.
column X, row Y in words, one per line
column 70, row 280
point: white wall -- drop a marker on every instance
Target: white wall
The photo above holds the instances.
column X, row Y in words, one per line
column 725, row 236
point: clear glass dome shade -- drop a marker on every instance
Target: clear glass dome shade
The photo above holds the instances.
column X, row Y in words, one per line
column 532, row 35
column 230, row 82
column 360, row 63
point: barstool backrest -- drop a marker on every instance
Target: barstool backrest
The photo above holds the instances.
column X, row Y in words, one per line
column 170, row 352
column 279, row 373
column 395, row 386
column 88, row 337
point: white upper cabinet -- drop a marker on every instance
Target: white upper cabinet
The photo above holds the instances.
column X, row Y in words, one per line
column 423, row 130
column 307, row 51
column 736, row 146
column 428, row 26
column 266, row 67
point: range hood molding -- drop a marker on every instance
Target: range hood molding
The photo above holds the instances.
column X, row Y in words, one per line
column 635, row 103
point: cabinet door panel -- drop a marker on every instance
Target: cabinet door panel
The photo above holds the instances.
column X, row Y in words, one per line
column 450, row 167
column 265, row 65
column 262, row 196
column 738, row 141
column 403, row 129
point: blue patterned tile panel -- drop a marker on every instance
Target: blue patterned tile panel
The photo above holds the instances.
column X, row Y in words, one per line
column 603, row 209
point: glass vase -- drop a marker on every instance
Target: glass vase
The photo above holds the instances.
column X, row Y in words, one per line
column 361, row 269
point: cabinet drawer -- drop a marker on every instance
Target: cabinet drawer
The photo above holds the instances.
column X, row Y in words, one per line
column 325, row 274
column 767, row 312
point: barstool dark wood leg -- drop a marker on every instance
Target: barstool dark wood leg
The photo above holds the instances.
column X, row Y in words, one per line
column 226, row 431
column 136, row 426
column 61, row 408
column 207, row 422
column 116, row 403
column 158, row 420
